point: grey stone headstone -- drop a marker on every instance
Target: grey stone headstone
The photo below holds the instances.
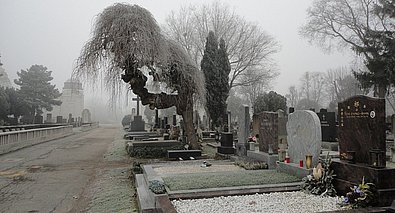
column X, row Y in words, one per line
column 137, row 125
column 244, row 125
column 86, row 116
column 304, row 136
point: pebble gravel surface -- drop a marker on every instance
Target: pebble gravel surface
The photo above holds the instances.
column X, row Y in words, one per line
column 271, row 202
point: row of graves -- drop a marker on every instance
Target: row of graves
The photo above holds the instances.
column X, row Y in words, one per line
column 294, row 144
column 163, row 139
column 71, row 119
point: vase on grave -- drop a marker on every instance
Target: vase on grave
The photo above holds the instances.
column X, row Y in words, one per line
column 309, row 161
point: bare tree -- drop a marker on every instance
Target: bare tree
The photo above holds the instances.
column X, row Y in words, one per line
column 341, row 84
column 249, row 48
column 292, row 96
column 126, row 41
column 347, row 23
column 254, row 90
column 311, row 87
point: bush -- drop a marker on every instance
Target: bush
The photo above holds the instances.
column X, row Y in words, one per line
column 126, row 120
column 361, row 196
column 320, row 182
column 153, row 152
column 157, row 187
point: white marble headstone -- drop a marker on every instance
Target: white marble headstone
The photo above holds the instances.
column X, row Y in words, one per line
column 304, row 136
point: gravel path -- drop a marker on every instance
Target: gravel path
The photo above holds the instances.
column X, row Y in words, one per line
column 273, row 202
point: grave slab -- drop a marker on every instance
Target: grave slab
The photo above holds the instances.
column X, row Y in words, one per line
column 351, row 174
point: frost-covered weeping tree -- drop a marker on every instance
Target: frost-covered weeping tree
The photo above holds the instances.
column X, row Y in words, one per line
column 126, row 42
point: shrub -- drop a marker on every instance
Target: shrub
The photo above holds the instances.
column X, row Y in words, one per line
column 153, row 152
column 361, row 196
column 157, row 187
column 320, row 182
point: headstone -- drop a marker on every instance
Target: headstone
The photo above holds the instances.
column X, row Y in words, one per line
column 304, row 136
column 268, row 132
column 49, row 118
column 328, row 125
column 86, row 116
column 163, row 125
column 38, row 119
column 59, row 119
column 226, row 144
column 137, row 124
column 362, row 127
column 166, row 121
column 244, row 131
column 282, row 134
column 156, row 118
column 70, row 118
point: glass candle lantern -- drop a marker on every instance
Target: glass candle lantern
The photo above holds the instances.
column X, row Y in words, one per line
column 377, row 158
column 309, row 161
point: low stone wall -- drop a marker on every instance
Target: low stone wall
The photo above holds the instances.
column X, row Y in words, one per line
column 10, row 141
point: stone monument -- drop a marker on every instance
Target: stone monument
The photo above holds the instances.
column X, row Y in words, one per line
column 362, row 142
column 137, row 124
column 244, row 131
column 328, row 125
column 304, row 136
column 86, row 116
column 268, row 132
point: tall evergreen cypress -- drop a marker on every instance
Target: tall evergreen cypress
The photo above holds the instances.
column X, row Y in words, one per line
column 216, row 68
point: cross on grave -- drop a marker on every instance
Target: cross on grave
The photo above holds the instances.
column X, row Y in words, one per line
column 138, row 104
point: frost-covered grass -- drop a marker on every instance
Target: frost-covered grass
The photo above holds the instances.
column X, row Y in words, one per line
column 227, row 179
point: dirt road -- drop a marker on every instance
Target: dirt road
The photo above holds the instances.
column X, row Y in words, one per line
column 85, row 172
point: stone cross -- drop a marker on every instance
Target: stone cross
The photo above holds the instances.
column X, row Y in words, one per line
column 138, row 104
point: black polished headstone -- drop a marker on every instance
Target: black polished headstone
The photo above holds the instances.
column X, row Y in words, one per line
column 328, row 125
column 362, row 127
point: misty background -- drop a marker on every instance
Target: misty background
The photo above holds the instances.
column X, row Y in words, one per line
column 53, row 32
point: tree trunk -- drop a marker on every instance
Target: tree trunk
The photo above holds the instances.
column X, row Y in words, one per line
column 382, row 90
column 187, row 115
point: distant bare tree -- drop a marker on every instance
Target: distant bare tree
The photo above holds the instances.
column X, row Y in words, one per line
column 292, row 96
column 312, row 86
column 348, row 23
column 249, row 48
column 254, row 90
column 126, row 41
column 341, row 84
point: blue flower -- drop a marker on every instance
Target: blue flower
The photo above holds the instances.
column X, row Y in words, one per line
column 346, row 200
column 358, row 190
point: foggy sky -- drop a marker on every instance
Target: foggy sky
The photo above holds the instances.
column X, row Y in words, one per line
column 52, row 33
